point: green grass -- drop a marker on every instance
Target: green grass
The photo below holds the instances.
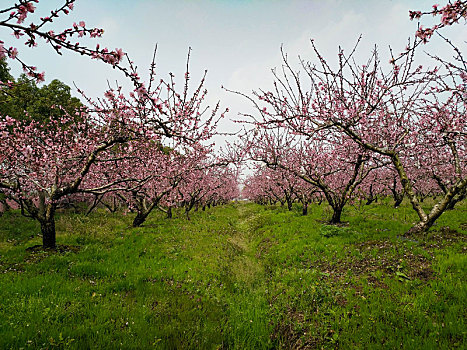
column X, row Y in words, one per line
column 240, row 276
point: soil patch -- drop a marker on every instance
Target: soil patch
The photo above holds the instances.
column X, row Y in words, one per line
column 441, row 238
column 368, row 257
column 38, row 253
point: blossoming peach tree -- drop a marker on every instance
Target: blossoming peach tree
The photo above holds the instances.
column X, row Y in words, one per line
column 413, row 118
column 41, row 165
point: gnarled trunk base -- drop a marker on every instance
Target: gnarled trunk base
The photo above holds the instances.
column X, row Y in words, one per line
column 48, row 234
column 139, row 219
column 336, row 216
column 421, row 227
column 398, row 201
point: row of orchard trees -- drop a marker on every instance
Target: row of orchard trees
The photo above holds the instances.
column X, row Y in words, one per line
column 330, row 132
column 358, row 130
column 149, row 148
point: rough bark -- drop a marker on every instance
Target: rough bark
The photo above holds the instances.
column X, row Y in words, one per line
column 289, row 204
column 139, row 219
column 48, row 234
column 459, row 198
column 47, row 221
column 398, row 198
column 427, row 220
column 336, row 215
column 97, row 199
column 371, row 197
column 305, row 209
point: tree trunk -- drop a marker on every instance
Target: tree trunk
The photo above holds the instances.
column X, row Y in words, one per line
column 305, row 209
column 456, row 199
column 336, row 215
column 398, row 197
column 426, row 221
column 420, row 227
column 289, row 204
column 451, row 205
column 371, row 197
column 139, row 219
column 111, row 207
column 169, row 213
column 398, row 200
column 97, row 199
column 46, row 218
column 48, row 233
column 425, row 224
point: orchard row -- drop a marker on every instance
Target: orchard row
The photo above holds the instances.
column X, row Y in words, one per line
column 356, row 131
column 150, row 148
column 333, row 133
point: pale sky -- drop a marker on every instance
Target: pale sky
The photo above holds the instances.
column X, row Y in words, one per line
column 237, row 41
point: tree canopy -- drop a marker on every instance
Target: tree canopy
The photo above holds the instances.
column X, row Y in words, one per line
column 22, row 99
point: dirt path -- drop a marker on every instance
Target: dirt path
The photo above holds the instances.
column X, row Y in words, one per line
column 245, row 267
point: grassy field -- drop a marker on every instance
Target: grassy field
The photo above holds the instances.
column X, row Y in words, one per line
column 240, row 276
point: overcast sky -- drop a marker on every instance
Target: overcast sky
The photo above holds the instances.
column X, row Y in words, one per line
column 237, row 41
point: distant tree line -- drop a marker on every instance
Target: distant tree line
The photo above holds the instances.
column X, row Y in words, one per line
column 23, row 99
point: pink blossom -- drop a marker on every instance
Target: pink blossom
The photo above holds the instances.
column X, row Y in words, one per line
column 30, row 7
column 17, row 34
column 40, row 77
column 9, row 121
column 13, row 52
column 23, row 13
column 109, row 94
column 415, row 14
column 120, row 54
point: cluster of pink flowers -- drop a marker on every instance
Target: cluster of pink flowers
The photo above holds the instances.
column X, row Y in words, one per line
column 450, row 14
column 58, row 41
column 23, row 10
column 355, row 130
column 149, row 150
